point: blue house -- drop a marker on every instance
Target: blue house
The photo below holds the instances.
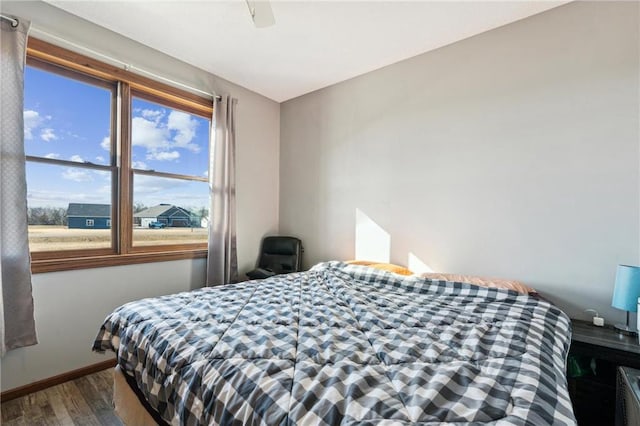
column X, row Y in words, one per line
column 89, row 216
column 168, row 214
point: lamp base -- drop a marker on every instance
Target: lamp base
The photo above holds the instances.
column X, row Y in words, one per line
column 625, row 329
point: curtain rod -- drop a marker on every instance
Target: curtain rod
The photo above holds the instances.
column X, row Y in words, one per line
column 14, row 22
column 124, row 65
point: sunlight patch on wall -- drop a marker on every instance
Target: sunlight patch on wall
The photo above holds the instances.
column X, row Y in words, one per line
column 416, row 265
column 372, row 242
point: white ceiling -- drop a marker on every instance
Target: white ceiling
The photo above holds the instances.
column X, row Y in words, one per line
column 313, row 44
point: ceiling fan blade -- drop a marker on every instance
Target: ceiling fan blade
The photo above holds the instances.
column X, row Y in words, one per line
column 261, row 13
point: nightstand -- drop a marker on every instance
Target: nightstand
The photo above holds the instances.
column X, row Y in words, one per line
column 596, row 353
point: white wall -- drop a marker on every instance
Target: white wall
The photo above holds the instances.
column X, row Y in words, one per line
column 514, row 153
column 71, row 305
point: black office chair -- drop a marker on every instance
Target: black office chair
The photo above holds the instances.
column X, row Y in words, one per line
column 278, row 255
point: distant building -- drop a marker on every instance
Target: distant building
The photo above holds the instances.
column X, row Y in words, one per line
column 204, row 222
column 89, row 216
column 170, row 215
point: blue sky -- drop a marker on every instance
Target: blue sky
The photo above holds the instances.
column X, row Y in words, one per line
column 70, row 120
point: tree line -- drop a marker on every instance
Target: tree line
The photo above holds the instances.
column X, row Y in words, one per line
column 47, row 216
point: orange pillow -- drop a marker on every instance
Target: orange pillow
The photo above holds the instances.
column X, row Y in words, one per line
column 396, row 269
column 390, row 267
column 360, row 262
column 481, row 281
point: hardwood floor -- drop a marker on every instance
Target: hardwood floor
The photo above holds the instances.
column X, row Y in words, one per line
column 83, row 401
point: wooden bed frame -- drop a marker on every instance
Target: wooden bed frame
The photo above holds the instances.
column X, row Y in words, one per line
column 129, row 404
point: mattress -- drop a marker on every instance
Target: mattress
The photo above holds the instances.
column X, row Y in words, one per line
column 345, row 344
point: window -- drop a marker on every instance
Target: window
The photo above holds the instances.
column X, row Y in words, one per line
column 170, row 159
column 65, row 120
column 116, row 164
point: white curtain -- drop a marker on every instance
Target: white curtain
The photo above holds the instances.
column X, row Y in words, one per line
column 18, row 326
column 222, row 261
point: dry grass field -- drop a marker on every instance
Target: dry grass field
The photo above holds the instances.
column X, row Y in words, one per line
column 53, row 238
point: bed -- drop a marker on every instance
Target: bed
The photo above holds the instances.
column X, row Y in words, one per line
column 345, row 344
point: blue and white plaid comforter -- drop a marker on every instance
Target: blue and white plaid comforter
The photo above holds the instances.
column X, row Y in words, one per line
column 345, row 344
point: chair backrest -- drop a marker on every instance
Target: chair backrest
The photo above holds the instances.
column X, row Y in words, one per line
column 281, row 254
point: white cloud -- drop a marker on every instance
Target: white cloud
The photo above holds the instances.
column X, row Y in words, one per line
column 76, row 158
column 77, row 175
column 163, row 155
column 148, row 134
column 105, row 189
column 48, row 135
column 162, row 135
column 103, row 174
column 100, row 159
column 139, row 165
column 32, row 120
column 53, row 198
column 154, row 185
column 151, row 190
column 106, row 143
column 153, row 114
column 185, row 127
column 52, row 155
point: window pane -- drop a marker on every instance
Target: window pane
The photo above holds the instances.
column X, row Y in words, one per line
column 169, row 211
column 65, row 118
column 69, row 208
column 169, row 140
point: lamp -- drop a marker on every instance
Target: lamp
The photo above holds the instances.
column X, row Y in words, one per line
column 626, row 293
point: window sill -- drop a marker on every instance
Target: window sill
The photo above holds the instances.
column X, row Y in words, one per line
column 75, row 263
